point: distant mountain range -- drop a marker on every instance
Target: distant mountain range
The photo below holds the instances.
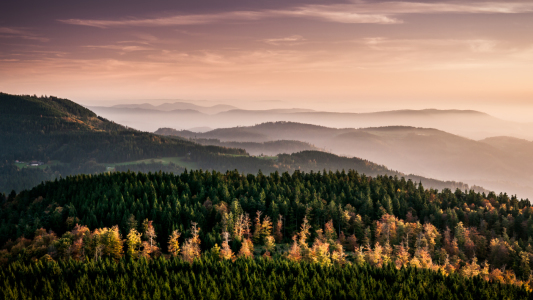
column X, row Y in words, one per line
column 269, row 148
column 179, row 106
column 72, row 139
column 497, row 163
column 467, row 123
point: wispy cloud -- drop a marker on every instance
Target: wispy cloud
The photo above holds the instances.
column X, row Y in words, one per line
column 470, row 7
column 9, row 32
column 122, row 48
column 290, row 40
column 313, row 12
column 332, row 14
column 482, row 45
column 356, row 12
column 472, row 45
column 171, row 20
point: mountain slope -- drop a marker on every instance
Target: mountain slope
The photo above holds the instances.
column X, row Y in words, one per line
column 22, row 114
column 520, row 147
column 501, row 164
column 59, row 129
column 77, row 140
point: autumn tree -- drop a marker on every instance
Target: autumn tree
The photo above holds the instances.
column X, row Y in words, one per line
column 402, row 256
column 257, row 228
column 226, row 252
column 133, row 242
column 149, row 233
column 278, row 235
column 303, row 235
column 270, row 245
column 173, row 243
column 338, row 256
column 247, row 249
column 319, row 253
column 294, row 252
column 191, row 247
column 111, row 241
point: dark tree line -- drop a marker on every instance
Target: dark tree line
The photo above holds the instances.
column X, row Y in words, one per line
column 209, row 278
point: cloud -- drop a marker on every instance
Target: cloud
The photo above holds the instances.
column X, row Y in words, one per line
column 330, row 13
column 352, row 13
column 121, row 48
column 9, row 32
column 290, row 40
column 312, row 12
column 386, row 44
column 482, row 45
column 399, row 7
column 487, row 7
column 169, row 21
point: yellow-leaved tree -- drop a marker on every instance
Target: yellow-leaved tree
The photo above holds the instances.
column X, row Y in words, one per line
column 133, row 242
column 173, row 243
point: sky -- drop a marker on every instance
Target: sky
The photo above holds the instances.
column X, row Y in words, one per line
column 323, row 54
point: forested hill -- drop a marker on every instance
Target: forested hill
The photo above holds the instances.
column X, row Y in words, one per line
column 339, row 220
column 49, row 128
column 23, row 114
column 53, row 129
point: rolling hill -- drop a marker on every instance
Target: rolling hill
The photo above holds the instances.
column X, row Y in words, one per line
column 467, row 123
column 502, row 163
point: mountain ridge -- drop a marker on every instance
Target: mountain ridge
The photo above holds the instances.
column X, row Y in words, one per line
column 428, row 152
column 468, row 123
column 177, row 106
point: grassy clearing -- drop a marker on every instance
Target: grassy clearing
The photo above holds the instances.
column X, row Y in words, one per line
column 267, row 157
column 180, row 161
column 23, row 165
column 234, row 155
column 256, row 156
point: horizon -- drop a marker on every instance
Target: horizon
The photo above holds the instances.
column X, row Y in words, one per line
column 159, row 102
column 344, row 56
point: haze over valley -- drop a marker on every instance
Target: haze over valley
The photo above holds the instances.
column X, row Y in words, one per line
column 423, row 151
column 266, row 149
column 182, row 115
column 464, row 145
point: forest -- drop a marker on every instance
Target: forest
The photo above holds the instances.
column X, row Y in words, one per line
column 259, row 278
column 344, row 221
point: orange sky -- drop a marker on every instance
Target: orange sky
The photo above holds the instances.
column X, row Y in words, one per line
column 331, row 55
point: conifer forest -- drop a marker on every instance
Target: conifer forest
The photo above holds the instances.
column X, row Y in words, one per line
column 212, row 235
